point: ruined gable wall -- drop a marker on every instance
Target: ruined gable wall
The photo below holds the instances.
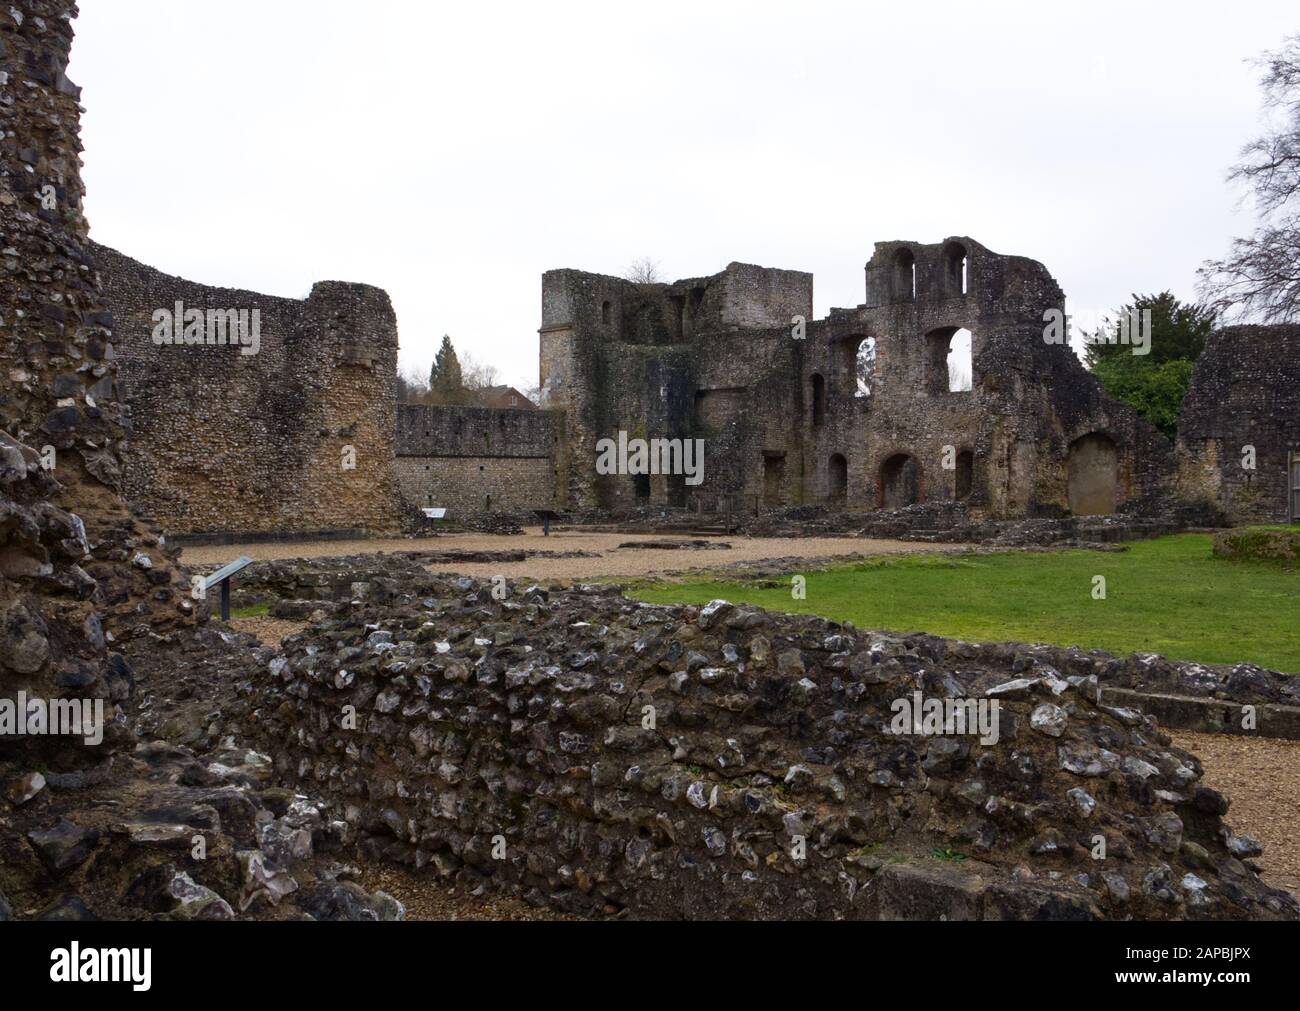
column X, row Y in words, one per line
column 1030, row 400
column 476, row 459
column 224, row 442
column 1245, row 391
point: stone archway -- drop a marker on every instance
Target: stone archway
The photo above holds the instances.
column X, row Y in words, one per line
column 1093, row 475
column 900, row 482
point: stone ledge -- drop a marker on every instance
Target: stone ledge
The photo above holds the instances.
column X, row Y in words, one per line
column 1210, row 716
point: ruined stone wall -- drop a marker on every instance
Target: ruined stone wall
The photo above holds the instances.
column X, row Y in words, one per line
column 780, row 410
column 673, row 361
column 479, row 459
column 1030, row 404
column 1245, row 392
column 296, row 438
column 74, row 564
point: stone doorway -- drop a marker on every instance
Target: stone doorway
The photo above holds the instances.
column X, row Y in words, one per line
column 773, row 479
column 1094, row 475
column 965, row 476
column 900, row 482
column 838, row 479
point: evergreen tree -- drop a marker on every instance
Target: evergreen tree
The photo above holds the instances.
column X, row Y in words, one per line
column 1154, row 384
column 446, row 383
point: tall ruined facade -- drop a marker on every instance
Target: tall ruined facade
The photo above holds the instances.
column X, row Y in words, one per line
column 736, row 360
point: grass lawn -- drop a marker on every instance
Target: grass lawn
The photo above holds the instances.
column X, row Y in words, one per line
column 1168, row 596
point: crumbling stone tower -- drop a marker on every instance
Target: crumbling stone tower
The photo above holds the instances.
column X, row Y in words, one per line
column 299, row 437
column 73, row 562
column 668, row 361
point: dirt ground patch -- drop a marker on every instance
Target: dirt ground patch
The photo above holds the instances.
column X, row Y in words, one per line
column 269, row 631
column 1261, row 776
column 427, row 898
column 611, row 560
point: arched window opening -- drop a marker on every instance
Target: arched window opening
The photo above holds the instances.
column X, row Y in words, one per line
column 959, row 365
column 949, row 364
column 838, row 478
column 857, row 365
column 641, row 484
column 904, row 280
column 605, row 312
column 864, row 367
column 956, row 269
column 818, row 400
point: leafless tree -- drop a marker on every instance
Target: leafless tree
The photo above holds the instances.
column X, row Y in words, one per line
column 644, row 271
column 478, row 375
column 1260, row 277
column 412, row 387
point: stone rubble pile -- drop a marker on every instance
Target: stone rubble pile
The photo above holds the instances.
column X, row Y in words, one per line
column 159, row 831
column 602, row 756
column 953, row 523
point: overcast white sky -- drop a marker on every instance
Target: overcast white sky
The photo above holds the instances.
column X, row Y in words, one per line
column 450, row 153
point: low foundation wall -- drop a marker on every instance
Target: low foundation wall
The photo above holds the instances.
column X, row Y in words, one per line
column 602, row 756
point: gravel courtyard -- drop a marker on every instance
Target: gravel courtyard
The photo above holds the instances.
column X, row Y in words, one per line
column 609, row 558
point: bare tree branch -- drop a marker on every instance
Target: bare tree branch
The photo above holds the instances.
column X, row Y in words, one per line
column 643, row 271
column 1260, row 276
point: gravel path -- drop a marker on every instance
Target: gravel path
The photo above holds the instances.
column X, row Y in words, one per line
column 611, row 560
column 1261, row 776
column 269, row 631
